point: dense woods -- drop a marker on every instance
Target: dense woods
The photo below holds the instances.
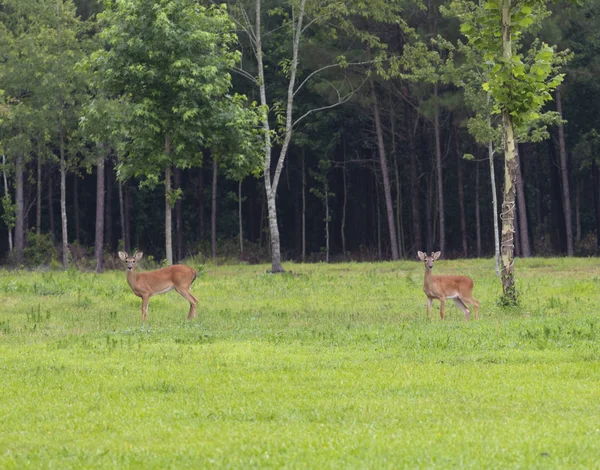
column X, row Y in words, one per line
column 276, row 130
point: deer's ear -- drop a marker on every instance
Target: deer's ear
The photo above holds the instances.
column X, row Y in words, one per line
column 138, row 256
column 436, row 255
column 122, row 255
column 421, row 255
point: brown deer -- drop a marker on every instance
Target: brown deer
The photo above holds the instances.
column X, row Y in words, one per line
column 457, row 288
column 145, row 285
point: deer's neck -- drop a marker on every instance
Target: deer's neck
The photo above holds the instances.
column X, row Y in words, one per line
column 132, row 279
column 427, row 281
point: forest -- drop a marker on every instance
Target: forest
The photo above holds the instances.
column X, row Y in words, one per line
column 269, row 131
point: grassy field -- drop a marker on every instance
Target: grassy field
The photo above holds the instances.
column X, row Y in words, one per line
column 330, row 366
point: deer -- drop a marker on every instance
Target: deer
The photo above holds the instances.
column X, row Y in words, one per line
column 159, row 281
column 457, row 288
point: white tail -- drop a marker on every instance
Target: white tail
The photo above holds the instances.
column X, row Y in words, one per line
column 145, row 285
column 457, row 288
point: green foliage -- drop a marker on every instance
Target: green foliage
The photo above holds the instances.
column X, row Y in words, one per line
column 331, row 366
column 9, row 211
column 40, row 250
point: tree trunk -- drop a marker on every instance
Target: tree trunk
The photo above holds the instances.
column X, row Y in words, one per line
column 99, row 243
column 385, row 175
column 63, row 201
column 6, row 193
column 477, row 212
column 213, row 214
column 178, row 217
column 377, row 212
column 76, row 207
column 168, row 217
column 51, row 204
column 240, row 221
column 440, row 176
column 344, row 207
column 20, row 210
column 577, row 213
column 566, row 193
column 122, row 216
column 108, row 208
column 523, row 226
column 128, row 209
column 495, row 211
column 201, row 202
column 303, row 209
column 415, row 193
column 398, row 205
column 38, row 201
column 326, row 220
column 461, row 195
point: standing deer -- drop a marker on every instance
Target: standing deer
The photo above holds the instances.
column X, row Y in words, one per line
column 145, row 285
column 457, row 288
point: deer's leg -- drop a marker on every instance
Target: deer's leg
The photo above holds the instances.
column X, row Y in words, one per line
column 429, row 302
column 442, row 305
column 145, row 300
column 460, row 304
column 192, row 300
column 475, row 303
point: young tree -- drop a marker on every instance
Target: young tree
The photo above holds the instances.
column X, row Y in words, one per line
column 170, row 58
column 519, row 85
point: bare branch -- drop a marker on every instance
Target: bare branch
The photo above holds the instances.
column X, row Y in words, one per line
column 325, row 68
column 245, row 74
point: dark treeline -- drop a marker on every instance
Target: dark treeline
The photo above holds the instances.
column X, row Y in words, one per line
column 331, row 201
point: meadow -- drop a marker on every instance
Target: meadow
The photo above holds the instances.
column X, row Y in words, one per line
column 327, row 366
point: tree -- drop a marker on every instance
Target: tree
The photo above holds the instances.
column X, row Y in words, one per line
column 519, row 86
column 170, row 58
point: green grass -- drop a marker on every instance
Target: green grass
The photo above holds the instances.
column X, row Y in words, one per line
column 330, row 366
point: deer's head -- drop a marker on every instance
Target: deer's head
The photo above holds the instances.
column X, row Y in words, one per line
column 428, row 260
column 131, row 260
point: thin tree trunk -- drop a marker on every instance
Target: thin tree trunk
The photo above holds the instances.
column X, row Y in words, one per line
column 385, row 175
column 398, row 205
column 63, row 200
column 213, row 215
column 99, row 243
column 122, row 216
column 178, row 217
column 477, row 212
column 415, row 193
column 326, row 220
column 377, row 213
column 303, row 209
column 577, row 213
column 38, row 202
column 440, row 177
column 240, row 221
column 108, row 208
column 6, row 193
column 461, row 195
column 344, row 206
column 168, row 218
column 51, row 204
column 564, row 173
column 495, row 211
column 522, row 212
column 128, row 209
column 201, row 202
column 20, row 210
column 76, row 207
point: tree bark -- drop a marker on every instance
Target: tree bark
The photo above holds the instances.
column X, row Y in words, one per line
column 303, row 209
column 495, row 211
column 385, row 175
column 20, row 210
column 108, row 208
column 415, row 193
column 577, row 213
column 122, row 216
column 63, row 201
column 240, row 221
column 398, row 205
column 99, row 242
column 461, row 195
column 477, row 212
column 168, row 218
column 438, row 165
column 564, row 173
column 213, row 214
column 178, row 218
column 51, row 204
column 201, row 202
column 38, row 201
column 510, row 177
column 76, row 207
column 522, row 212
column 6, row 193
